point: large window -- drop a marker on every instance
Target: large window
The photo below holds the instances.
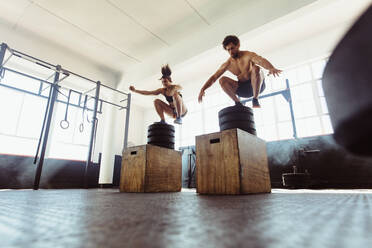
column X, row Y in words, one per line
column 273, row 120
column 22, row 119
column 309, row 103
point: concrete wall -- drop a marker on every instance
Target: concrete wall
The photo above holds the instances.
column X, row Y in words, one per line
column 18, row 172
column 329, row 165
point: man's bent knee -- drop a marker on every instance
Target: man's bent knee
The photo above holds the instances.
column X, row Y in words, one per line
column 223, row 81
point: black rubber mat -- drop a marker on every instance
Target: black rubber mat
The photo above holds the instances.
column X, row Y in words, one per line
column 106, row 218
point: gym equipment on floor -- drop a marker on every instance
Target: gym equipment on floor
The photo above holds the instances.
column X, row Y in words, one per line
column 237, row 117
column 296, row 180
column 150, row 168
column 231, row 162
column 161, row 134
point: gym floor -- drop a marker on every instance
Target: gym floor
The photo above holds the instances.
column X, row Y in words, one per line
column 107, row 218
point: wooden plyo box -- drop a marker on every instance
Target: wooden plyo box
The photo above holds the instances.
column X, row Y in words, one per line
column 150, row 168
column 231, row 162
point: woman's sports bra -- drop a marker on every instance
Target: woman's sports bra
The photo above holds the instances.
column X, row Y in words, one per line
column 170, row 98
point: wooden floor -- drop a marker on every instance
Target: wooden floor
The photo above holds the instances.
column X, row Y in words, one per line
column 107, row 218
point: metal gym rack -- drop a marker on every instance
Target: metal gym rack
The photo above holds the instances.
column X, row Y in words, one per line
column 59, row 74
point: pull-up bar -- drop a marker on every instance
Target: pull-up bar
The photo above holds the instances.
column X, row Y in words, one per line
column 42, row 81
column 51, row 66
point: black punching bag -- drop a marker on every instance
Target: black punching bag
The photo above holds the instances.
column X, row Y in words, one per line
column 347, row 84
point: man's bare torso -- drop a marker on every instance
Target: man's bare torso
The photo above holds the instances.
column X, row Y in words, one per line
column 241, row 66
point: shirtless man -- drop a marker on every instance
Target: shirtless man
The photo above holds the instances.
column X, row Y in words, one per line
column 245, row 65
column 175, row 107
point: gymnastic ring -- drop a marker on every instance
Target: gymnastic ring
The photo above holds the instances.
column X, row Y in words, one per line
column 81, row 127
column 64, row 126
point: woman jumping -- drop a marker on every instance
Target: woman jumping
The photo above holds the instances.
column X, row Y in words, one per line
column 175, row 106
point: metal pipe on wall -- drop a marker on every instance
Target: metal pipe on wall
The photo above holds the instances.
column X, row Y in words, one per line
column 54, row 67
column 2, row 55
column 92, row 132
column 47, row 129
column 291, row 110
column 44, row 81
column 46, row 97
column 43, row 127
column 127, row 121
column 35, row 60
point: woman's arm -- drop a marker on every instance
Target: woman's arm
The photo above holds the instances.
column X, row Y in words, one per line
column 147, row 92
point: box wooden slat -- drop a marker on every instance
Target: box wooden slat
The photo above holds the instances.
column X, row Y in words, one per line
column 132, row 175
column 231, row 162
column 217, row 164
column 255, row 177
column 152, row 169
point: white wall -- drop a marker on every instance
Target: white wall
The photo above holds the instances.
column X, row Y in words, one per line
column 305, row 34
column 288, row 43
column 150, row 116
column 113, row 139
column 251, row 15
column 27, row 42
column 309, row 48
column 314, row 20
column 136, row 134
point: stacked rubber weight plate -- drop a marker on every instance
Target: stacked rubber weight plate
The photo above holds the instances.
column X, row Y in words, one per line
column 160, row 134
column 237, row 117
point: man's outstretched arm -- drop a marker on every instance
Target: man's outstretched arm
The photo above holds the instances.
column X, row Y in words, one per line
column 257, row 59
column 213, row 79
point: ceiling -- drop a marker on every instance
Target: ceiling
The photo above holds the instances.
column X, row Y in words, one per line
column 119, row 35
column 306, row 34
column 125, row 41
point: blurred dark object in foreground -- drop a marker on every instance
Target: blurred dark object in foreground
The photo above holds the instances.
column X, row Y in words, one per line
column 347, row 84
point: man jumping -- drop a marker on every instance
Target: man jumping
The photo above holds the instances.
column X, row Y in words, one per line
column 245, row 65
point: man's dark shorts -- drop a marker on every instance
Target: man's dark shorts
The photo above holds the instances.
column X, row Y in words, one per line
column 245, row 88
